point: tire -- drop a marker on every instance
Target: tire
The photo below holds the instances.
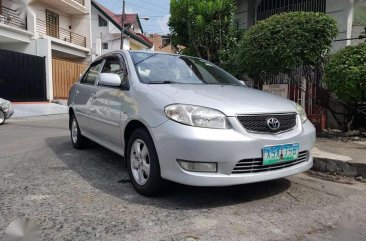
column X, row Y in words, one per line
column 141, row 154
column 2, row 117
column 78, row 141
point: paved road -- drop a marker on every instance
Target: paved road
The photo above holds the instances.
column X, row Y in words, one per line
column 85, row 195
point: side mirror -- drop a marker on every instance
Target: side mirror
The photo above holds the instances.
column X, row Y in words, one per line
column 108, row 79
column 242, row 82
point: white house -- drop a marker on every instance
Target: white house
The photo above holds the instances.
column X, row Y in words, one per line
column 106, row 31
column 52, row 29
column 251, row 11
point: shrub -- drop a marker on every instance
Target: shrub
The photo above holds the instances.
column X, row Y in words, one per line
column 285, row 41
column 345, row 75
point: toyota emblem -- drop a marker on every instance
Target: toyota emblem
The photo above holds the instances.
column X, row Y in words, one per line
column 273, row 123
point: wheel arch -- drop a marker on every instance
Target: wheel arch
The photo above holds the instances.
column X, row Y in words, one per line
column 129, row 129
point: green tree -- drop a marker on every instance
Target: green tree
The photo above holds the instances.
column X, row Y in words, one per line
column 283, row 42
column 345, row 75
column 201, row 25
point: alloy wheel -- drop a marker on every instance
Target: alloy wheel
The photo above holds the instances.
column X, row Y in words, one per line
column 140, row 161
column 74, row 131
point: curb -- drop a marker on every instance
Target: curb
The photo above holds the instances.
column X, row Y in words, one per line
column 343, row 168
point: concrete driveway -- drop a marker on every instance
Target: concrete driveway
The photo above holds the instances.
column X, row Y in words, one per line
column 86, row 195
column 37, row 109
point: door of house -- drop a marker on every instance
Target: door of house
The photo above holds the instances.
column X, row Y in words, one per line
column 64, row 74
column 52, row 24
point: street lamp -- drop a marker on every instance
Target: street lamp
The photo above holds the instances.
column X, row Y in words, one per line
column 145, row 18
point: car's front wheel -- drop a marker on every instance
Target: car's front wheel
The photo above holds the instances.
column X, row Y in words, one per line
column 143, row 163
column 2, row 117
column 78, row 141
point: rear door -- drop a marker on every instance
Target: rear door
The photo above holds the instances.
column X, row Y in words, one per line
column 84, row 96
column 108, row 103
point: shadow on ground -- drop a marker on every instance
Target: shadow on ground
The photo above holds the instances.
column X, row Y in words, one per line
column 103, row 170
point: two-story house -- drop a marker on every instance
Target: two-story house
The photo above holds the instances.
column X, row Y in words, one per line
column 46, row 43
column 106, row 31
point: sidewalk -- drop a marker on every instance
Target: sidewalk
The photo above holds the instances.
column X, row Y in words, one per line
column 346, row 158
column 32, row 109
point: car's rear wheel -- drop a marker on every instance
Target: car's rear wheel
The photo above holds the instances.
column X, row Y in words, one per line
column 143, row 163
column 2, row 117
column 78, row 141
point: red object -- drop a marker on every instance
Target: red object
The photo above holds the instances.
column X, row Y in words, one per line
column 318, row 120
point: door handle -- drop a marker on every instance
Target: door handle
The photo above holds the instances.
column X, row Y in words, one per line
column 92, row 109
column 93, row 96
column 77, row 92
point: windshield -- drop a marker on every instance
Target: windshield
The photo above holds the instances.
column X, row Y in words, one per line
column 155, row 68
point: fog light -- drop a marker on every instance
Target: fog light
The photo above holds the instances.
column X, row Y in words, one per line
column 198, row 166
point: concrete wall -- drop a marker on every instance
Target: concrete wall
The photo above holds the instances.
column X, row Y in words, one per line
column 342, row 12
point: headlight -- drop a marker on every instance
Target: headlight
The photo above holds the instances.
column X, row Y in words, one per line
column 197, row 116
column 301, row 113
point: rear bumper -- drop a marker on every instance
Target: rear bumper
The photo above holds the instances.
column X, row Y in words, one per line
column 9, row 112
column 226, row 147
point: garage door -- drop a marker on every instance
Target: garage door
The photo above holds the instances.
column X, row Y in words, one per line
column 64, row 74
column 22, row 77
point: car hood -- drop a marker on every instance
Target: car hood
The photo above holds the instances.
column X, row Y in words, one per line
column 231, row 100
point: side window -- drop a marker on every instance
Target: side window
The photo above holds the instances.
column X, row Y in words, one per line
column 112, row 65
column 92, row 74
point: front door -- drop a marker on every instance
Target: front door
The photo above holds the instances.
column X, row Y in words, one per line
column 52, row 24
column 107, row 105
column 84, row 97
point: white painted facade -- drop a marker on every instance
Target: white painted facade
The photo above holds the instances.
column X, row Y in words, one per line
column 74, row 23
column 110, row 35
column 340, row 10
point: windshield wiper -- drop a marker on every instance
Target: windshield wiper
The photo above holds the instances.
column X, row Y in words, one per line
column 163, row 82
column 142, row 60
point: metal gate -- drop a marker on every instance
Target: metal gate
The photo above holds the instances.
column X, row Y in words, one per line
column 65, row 74
column 22, row 77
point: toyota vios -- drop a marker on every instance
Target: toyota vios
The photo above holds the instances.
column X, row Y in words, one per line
column 184, row 119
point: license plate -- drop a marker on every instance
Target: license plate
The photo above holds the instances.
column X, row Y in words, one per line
column 280, row 153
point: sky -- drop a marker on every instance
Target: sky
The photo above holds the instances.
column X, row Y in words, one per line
column 156, row 10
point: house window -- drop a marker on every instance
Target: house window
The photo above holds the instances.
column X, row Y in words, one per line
column 104, row 45
column 102, row 21
column 52, row 24
column 268, row 8
column 165, row 41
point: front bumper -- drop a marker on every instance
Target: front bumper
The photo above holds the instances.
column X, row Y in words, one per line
column 226, row 147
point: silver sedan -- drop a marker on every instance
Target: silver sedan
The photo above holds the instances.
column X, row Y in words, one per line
column 184, row 119
column 6, row 110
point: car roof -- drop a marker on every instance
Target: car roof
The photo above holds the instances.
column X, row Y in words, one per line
column 136, row 51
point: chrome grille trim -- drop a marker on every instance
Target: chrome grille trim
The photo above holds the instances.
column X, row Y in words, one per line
column 258, row 122
column 256, row 165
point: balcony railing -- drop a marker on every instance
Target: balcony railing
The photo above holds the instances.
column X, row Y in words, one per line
column 11, row 17
column 60, row 33
column 82, row 2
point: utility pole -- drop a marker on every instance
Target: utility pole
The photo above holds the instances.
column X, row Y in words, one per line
column 122, row 22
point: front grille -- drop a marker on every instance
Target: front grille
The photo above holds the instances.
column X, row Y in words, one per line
column 256, row 165
column 258, row 123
